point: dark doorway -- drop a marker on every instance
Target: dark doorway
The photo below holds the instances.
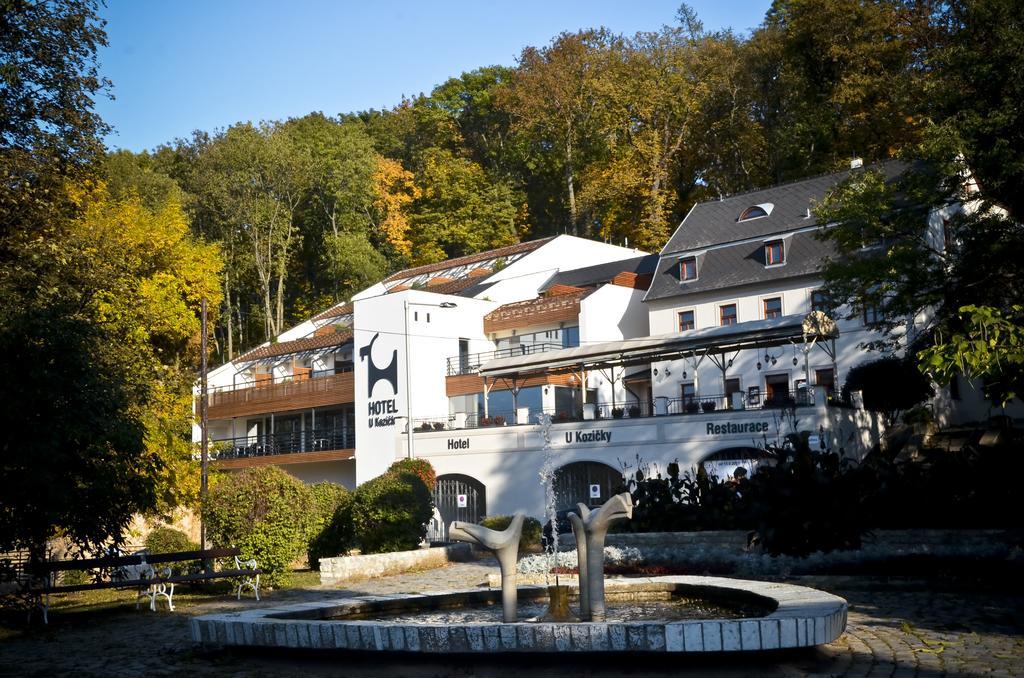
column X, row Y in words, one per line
column 573, row 484
column 456, row 497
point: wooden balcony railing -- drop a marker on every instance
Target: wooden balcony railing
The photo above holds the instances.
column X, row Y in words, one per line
column 296, row 394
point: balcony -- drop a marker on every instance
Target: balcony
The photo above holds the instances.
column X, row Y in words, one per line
column 470, row 363
column 317, row 389
column 283, row 448
column 659, row 407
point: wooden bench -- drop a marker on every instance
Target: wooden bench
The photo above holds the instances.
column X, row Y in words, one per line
column 138, row 571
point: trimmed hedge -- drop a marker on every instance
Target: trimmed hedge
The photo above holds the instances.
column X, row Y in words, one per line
column 420, row 467
column 168, row 540
column 389, row 513
column 331, row 530
column 264, row 512
column 529, row 539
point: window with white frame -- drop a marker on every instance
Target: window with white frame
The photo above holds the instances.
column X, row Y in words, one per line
column 772, row 307
column 727, row 314
column 686, row 321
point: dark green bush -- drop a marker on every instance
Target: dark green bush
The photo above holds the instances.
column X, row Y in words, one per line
column 331, row 528
column 389, row 513
column 264, row 512
column 168, row 540
column 890, row 385
column 529, row 540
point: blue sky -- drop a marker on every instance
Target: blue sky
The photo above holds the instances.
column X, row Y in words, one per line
column 180, row 65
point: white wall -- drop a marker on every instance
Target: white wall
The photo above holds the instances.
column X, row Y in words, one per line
column 431, row 343
column 612, row 313
column 507, row 460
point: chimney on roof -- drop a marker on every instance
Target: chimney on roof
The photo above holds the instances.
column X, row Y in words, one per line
column 856, row 163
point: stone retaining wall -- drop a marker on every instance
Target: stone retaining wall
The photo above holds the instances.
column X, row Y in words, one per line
column 348, row 568
column 735, row 541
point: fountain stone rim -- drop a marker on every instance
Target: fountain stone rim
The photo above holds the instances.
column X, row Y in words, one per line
column 803, row 617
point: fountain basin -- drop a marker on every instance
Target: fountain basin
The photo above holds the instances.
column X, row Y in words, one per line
column 791, row 616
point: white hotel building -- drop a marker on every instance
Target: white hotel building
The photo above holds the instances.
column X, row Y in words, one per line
column 701, row 354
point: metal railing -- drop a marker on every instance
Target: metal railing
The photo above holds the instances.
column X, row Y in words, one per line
column 699, row 404
column 268, row 381
column 471, row 362
column 317, row 440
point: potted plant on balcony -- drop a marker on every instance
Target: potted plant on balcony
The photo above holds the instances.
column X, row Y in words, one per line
column 708, row 405
column 499, row 420
column 425, row 426
column 562, row 417
column 634, row 411
column 438, row 425
column 692, row 406
column 617, row 412
column 486, row 421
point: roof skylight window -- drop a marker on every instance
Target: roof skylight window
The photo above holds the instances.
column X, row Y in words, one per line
column 756, row 211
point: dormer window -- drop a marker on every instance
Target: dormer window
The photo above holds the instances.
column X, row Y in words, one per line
column 756, row 211
column 688, row 268
column 774, row 253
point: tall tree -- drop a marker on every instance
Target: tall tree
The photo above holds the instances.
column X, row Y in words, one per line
column 552, row 98
column 260, row 179
column 458, row 210
column 839, row 78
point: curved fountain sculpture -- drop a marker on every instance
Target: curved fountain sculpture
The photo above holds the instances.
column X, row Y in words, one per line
column 590, row 529
column 505, row 546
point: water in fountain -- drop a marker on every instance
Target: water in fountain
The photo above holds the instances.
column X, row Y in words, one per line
column 547, row 479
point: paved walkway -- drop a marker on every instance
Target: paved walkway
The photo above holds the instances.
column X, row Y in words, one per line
column 901, row 629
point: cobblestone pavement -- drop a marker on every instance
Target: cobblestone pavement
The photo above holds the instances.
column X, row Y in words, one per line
column 895, row 629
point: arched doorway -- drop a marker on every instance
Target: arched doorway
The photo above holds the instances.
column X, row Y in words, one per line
column 456, row 497
column 587, row 482
column 723, row 463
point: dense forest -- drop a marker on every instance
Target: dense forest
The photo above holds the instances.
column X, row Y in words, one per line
column 596, row 134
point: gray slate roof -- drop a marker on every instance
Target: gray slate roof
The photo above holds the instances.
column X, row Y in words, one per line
column 731, row 262
column 715, row 222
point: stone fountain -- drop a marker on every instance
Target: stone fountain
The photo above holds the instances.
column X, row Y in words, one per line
column 748, row 615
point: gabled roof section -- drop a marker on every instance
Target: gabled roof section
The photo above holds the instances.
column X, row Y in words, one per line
column 296, row 346
column 718, row 221
column 459, row 262
column 449, row 287
column 336, row 311
column 558, row 308
column 605, row 273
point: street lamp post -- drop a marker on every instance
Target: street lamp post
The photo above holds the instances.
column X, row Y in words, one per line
column 408, row 371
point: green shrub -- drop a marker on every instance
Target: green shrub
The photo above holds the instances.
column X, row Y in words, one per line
column 264, row 512
column 420, row 467
column 529, row 539
column 168, row 540
column 331, row 528
column 389, row 512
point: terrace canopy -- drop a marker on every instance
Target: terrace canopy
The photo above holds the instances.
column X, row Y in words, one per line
column 718, row 344
column 728, row 339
